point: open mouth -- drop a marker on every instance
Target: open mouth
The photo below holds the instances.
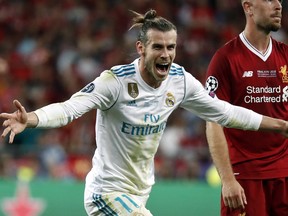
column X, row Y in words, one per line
column 163, row 68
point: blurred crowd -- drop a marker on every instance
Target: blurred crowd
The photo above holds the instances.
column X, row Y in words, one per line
column 50, row 49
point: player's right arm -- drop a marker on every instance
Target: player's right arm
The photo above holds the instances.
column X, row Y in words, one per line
column 99, row 94
column 232, row 192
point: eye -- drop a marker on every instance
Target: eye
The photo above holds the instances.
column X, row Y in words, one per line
column 171, row 47
column 157, row 47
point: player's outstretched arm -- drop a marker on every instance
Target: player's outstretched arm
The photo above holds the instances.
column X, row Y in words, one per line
column 16, row 122
column 276, row 125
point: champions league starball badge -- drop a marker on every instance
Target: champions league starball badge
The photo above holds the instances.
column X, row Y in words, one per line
column 211, row 85
column 88, row 88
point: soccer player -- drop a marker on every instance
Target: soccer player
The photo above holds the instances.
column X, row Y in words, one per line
column 133, row 103
column 251, row 71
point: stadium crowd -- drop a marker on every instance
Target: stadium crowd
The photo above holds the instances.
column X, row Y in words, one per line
column 50, row 49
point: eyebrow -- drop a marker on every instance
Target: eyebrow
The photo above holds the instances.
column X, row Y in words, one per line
column 160, row 44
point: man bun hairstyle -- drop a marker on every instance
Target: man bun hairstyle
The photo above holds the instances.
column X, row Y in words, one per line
column 150, row 20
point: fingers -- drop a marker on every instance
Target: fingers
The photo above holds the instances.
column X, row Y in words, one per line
column 244, row 197
column 236, row 202
column 6, row 131
column 11, row 137
column 243, row 200
column 8, row 125
column 233, row 203
column 21, row 113
column 19, row 106
column 234, row 195
column 17, row 103
column 12, row 134
column 5, row 115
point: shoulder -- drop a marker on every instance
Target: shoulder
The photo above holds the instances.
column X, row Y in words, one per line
column 178, row 75
column 176, row 70
column 279, row 45
column 123, row 70
column 231, row 46
column 230, row 51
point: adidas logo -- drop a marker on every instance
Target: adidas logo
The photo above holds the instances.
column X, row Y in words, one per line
column 132, row 103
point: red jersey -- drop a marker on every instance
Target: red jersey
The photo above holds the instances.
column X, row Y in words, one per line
column 241, row 75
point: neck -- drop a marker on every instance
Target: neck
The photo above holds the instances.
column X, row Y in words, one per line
column 259, row 40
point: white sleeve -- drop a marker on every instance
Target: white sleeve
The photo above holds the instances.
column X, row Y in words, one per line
column 52, row 116
column 99, row 94
column 199, row 102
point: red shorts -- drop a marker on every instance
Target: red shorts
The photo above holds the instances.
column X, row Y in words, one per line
column 264, row 197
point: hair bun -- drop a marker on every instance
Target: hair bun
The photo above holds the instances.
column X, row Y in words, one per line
column 151, row 14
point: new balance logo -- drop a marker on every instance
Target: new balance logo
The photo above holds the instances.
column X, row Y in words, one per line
column 247, row 74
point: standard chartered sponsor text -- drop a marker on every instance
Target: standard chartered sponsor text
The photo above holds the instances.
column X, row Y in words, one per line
column 266, row 89
column 263, row 98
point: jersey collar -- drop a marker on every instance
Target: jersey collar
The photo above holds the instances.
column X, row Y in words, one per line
column 263, row 56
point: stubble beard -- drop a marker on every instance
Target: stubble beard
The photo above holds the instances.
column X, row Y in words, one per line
column 270, row 28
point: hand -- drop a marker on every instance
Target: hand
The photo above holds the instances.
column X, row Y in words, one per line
column 285, row 129
column 233, row 195
column 15, row 122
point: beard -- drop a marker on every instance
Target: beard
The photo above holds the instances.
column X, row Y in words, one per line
column 150, row 69
column 274, row 28
column 270, row 27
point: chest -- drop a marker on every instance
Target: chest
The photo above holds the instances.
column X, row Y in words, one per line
column 251, row 72
column 139, row 105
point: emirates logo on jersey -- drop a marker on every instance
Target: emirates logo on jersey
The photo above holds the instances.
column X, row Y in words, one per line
column 133, row 90
column 283, row 71
column 170, row 100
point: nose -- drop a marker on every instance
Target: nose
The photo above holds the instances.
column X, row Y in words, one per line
column 165, row 53
column 279, row 5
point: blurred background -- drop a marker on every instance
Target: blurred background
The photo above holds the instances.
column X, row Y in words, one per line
column 50, row 49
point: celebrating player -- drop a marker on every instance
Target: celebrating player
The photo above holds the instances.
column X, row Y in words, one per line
column 251, row 71
column 133, row 103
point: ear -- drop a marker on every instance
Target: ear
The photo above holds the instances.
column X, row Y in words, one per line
column 247, row 7
column 140, row 47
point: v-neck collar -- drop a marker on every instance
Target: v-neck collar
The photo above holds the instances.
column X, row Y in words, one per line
column 263, row 56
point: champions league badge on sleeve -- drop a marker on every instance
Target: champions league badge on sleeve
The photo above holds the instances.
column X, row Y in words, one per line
column 88, row 88
column 211, row 85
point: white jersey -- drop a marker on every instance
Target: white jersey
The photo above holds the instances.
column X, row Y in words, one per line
column 131, row 118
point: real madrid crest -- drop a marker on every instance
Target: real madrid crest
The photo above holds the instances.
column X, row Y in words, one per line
column 170, row 99
column 133, row 90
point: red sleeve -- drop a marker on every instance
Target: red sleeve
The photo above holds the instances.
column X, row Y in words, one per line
column 217, row 77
